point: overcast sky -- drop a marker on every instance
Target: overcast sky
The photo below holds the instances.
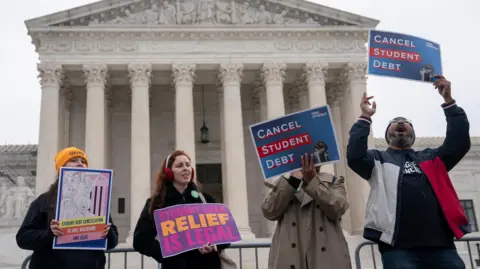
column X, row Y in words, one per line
column 452, row 24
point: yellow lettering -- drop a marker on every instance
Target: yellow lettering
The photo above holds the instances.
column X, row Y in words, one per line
column 212, row 220
column 192, row 223
column 181, row 224
column 168, row 227
column 223, row 217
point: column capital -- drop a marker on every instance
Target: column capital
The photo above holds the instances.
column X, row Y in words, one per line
column 183, row 73
column 140, row 73
column 315, row 72
column 273, row 73
column 95, row 74
column 231, row 73
column 50, row 74
column 356, row 72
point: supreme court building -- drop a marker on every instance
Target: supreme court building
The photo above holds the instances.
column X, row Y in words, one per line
column 129, row 81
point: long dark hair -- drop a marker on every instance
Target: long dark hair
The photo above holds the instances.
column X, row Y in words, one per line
column 160, row 191
column 51, row 199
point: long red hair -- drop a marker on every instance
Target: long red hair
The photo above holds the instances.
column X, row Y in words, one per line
column 160, row 191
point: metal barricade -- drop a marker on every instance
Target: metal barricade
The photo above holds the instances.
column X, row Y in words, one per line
column 125, row 251
column 473, row 263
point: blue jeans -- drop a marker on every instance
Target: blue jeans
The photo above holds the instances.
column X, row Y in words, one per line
column 428, row 258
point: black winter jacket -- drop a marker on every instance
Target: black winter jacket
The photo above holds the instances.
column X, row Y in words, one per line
column 35, row 234
column 145, row 233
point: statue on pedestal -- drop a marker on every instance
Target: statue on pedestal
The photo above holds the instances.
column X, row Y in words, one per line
column 14, row 201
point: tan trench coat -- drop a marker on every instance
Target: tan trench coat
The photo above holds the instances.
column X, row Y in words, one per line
column 308, row 233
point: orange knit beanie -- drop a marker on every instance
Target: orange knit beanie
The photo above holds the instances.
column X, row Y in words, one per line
column 67, row 154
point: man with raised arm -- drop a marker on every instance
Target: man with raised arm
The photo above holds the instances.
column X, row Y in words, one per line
column 413, row 211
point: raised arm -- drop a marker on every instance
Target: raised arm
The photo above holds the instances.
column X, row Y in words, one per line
column 457, row 141
column 34, row 233
column 278, row 199
column 144, row 236
column 331, row 199
column 359, row 158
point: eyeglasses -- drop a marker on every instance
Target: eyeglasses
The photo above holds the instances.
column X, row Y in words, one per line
column 400, row 120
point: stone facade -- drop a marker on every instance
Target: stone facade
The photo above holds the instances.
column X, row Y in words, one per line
column 131, row 80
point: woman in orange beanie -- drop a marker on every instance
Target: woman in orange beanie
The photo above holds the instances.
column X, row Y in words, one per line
column 39, row 226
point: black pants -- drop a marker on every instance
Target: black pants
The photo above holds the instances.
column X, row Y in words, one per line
column 425, row 258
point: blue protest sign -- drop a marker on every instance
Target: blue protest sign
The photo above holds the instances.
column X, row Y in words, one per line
column 280, row 142
column 403, row 56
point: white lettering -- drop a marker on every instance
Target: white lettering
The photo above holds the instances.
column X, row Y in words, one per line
column 394, row 41
column 385, row 65
column 276, row 162
column 266, row 133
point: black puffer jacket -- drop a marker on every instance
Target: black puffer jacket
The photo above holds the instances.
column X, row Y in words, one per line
column 145, row 233
column 35, row 234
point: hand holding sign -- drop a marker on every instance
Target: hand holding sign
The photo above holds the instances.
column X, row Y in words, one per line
column 444, row 88
column 207, row 248
column 308, row 168
column 55, row 228
column 367, row 108
column 107, row 229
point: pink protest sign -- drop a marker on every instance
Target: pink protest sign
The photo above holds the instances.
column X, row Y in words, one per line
column 83, row 205
column 182, row 228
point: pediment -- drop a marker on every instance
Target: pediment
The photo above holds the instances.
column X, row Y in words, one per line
column 207, row 13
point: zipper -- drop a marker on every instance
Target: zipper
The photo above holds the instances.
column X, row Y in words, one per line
column 399, row 203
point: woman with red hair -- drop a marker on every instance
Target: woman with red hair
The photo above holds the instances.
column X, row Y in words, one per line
column 175, row 184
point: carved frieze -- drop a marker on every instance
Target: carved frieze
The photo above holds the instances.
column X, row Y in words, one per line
column 235, row 44
column 202, row 12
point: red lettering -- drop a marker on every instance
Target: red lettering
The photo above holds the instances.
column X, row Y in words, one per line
column 396, row 55
column 284, row 144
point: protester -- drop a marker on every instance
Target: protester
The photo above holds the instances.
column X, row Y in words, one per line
column 175, row 185
column 307, row 206
column 39, row 226
column 413, row 210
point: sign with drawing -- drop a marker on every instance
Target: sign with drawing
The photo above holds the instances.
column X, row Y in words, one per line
column 83, row 208
column 280, row 142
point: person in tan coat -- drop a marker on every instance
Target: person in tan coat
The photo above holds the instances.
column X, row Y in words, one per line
column 307, row 206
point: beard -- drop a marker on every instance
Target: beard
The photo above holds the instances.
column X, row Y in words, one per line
column 404, row 141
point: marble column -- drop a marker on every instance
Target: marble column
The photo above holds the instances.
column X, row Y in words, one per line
column 273, row 76
column 140, row 78
column 355, row 85
column 334, row 97
column 51, row 77
column 95, row 138
column 221, row 109
column 315, row 76
column 183, row 76
column 65, row 106
column 230, row 76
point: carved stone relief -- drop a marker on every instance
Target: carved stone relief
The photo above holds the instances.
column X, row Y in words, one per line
column 206, row 12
